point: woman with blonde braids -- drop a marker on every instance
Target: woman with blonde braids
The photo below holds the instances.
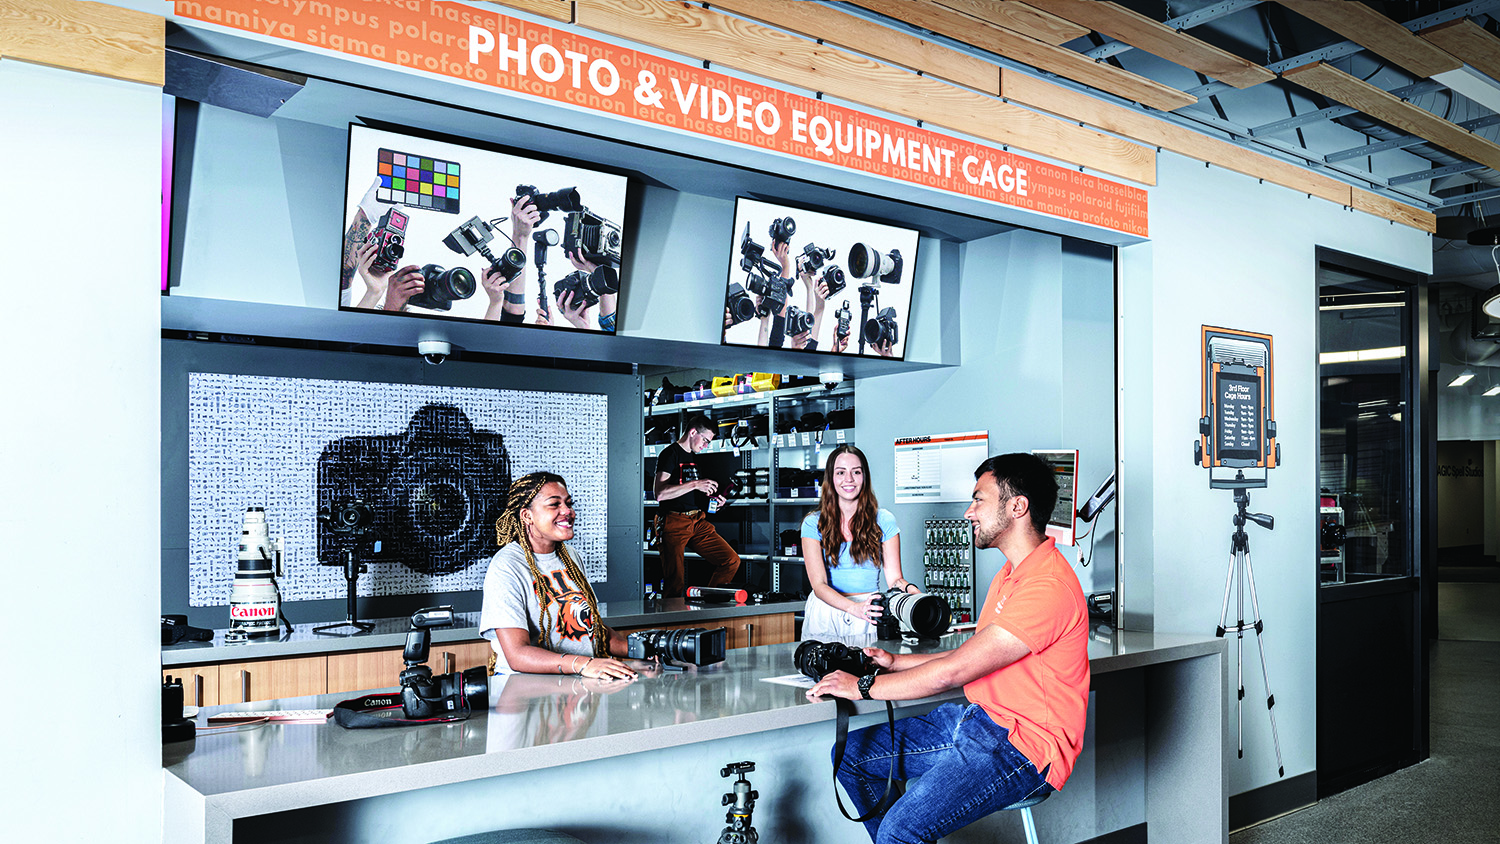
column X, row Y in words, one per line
column 539, row 611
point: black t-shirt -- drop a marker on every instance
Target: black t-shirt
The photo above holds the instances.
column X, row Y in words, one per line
column 680, row 467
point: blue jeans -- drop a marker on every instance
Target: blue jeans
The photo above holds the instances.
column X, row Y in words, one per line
column 967, row 765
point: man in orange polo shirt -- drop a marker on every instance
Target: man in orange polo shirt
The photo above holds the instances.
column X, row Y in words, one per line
column 1025, row 672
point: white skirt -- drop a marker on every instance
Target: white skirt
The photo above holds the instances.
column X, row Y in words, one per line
column 822, row 622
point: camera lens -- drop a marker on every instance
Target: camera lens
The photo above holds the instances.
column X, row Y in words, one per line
column 881, row 330
column 925, row 615
column 798, row 321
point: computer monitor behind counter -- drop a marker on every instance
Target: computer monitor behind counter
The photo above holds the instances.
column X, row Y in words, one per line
column 1062, row 524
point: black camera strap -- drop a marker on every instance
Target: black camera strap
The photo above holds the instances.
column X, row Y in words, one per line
column 845, row 708
column 354, row 714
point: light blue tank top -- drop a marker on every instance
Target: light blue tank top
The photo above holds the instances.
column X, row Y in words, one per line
column 850, row 577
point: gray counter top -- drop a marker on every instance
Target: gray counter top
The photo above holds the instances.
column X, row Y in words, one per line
column 541, row 721
column 391, row 632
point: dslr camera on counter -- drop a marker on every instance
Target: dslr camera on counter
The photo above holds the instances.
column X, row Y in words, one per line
column 817, row 659
column 917, row 613
column 693, row 646
column 424, row 696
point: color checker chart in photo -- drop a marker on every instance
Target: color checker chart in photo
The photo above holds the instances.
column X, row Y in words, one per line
column 417, row 181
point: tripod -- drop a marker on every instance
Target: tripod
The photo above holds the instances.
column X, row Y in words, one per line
column 1240, row 571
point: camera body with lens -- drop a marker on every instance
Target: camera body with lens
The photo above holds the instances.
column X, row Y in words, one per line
column 811, row 259
column 587, row 287
column 474, row 235
column 817, row 659
column 430, row 493
column 563, row 199
column 881, row 329
column 921, row 614
column 424, row 695
column 782, row 229
column 798, row 321
column 441, row 288
column 389, row 236
column 592, row 237
column 835, row 280
column 772, row 291
column 739, row 304
column 694, row 645
column 865, row 261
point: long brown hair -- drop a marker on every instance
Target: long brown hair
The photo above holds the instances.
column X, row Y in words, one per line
column 509, row 528
column 864, row 530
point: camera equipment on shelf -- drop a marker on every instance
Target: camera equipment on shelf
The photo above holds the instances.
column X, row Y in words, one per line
column 474, row 235
column 881, row 330
column 592, row 237
column 389, row 236
column 441, row 288
column 694, row 646
column 811, row 258
column 715, row 594
column 924, row 615
column 782, row 229
column 816, row 659
column 562, row 199
column 588, row 287
column 255, row 599
column 798, row 321
column 741, row 803
column 351, row 523
column 948, row 565
column 424, row 698
column 866, row 261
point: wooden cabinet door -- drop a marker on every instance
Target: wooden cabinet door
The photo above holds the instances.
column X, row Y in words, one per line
column 269, row 679
column 364, row 670
column 761, row 630
column 200, row 683
column 448, row 657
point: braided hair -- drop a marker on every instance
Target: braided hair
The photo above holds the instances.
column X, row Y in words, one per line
column 509, row 528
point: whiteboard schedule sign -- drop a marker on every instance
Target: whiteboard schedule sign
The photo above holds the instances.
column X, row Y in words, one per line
column 939, row 467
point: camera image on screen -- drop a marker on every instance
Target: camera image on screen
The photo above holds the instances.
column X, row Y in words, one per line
column 563, row 199
column 798, row 320
column 739, row 304
column 811, row 258
column 474, row 235
column 587, row 287
column 866, row 261
column 594, row 238
column 834, row 279
column 772, row 291
column 389, row 237
column 442, row 287
column 881, row 329
column 782, row 229
column 844, row 317
column 434, row 490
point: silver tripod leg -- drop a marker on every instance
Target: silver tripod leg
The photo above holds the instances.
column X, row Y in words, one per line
column 1239, row 654
column 1224, row 627
column 1260, row 641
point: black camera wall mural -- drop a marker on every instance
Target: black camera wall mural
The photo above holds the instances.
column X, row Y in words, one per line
column 409, row 476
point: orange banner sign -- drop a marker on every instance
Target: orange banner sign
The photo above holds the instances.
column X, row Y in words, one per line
column 475, row 44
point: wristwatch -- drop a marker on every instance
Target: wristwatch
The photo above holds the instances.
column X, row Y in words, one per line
column 865, row 683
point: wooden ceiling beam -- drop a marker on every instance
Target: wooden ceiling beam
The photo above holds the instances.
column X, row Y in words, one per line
column 558, row 10
column 1019, row 17
column 1377, row 33
column 691, row 30
column 1381, row 105
column 97, row 38
column 1038, row 54
column 1158, row 39
column 871, row 38
column 1470, row 43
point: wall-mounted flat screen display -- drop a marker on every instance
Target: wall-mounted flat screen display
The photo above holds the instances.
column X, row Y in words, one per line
column 1062, row 525
column 453, row 230
column 818, row 282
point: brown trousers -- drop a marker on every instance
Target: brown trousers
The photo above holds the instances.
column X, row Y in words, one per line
column 693, row 531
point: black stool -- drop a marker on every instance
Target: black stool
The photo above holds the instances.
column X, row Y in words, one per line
column 1026, row 821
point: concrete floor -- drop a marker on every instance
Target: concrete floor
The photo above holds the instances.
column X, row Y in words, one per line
column 1454, row 796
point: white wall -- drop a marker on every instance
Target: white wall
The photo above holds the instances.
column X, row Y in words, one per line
column 79, row 457
column 1227, row 251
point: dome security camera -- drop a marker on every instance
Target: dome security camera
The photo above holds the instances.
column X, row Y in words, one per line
column 831, row 379
column 434, row 351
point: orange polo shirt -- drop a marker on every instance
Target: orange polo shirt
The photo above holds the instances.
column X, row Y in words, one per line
column 1041, row 698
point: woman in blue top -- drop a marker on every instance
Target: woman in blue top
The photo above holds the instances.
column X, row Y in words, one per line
column 848, row 543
